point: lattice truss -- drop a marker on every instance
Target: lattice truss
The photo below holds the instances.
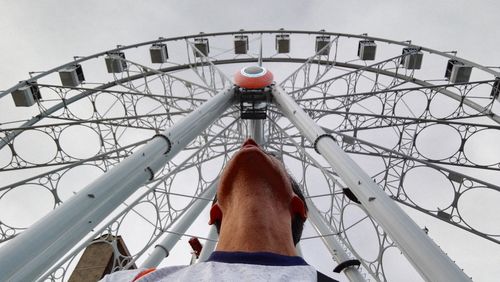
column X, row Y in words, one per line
column 430, row 143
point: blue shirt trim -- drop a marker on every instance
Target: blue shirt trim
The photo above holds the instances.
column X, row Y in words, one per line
column 258, row 258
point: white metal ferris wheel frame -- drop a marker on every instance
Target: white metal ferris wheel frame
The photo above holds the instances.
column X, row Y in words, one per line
column 43, row 243
column 41, row 238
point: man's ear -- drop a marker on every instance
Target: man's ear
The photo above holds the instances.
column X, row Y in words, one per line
column 215, row 214
column 297, row 206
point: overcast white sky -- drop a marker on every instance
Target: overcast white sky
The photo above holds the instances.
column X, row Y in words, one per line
column 38, row 35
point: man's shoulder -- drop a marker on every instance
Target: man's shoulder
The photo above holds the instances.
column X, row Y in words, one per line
column 123, row 275
column 231, row 266
column 143, row 273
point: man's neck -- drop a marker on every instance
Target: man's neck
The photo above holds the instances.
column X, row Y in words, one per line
column 256, row 225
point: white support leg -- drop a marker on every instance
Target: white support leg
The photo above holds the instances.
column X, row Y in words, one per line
column 257, row 131
column 429, row 260
column 163, row 248
column 334, row 247
column 209, row 246
column 30, row 254
column 298, row 249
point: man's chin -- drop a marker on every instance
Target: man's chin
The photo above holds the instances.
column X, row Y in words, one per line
column 252, row 159
column 251, row 164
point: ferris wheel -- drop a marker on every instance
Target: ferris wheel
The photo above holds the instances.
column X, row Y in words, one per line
column 123, row 149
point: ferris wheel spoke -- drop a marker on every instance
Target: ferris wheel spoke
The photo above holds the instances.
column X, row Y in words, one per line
column 19, row 163
column 102, row 132
column 307, row 69
column 399, row 133
column 124, row 119
column 125, row 151
column 146, row 71
column 394, row 101
column 134, row 93
column 51, row 179
column 213, row 70
column 428, row 90
column 365, row 121
column 413, row 131
column 352, row 75
column 170, row 86
column 398, row 165
column 147, row 121
column 55, row 135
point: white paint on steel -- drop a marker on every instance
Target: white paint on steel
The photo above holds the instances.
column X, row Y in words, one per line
column 163, row 248
column 50, row 238
column 428, row 259
column 257, row 131
column 210, row 244
column 334, row 247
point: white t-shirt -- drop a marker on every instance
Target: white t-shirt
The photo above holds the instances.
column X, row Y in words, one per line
column 228, row 266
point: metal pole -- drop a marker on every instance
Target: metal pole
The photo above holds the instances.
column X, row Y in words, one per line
column 257, row 131
column 162, row 250
column 298, row 249
column 30, row 254
column 209, row 246
column 334, row 247
column 421, row 251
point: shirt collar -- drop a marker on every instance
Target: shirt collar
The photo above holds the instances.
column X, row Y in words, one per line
column 259, row 258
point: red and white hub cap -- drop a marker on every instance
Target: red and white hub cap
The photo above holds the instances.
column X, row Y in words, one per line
column 253, row 77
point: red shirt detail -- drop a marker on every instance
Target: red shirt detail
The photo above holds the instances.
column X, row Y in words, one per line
column 143, row 273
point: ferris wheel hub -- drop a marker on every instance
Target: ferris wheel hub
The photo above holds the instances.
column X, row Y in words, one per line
column 253, row 77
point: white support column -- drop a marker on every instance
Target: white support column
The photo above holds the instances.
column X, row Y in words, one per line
column 298, row 249
column 30, row 254
column 257, row 131
column 429, row 260
column 162, row 250
column 334, row 247
column 209, row 246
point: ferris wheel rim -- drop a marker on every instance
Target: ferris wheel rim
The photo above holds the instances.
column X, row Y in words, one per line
column 279, row 31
